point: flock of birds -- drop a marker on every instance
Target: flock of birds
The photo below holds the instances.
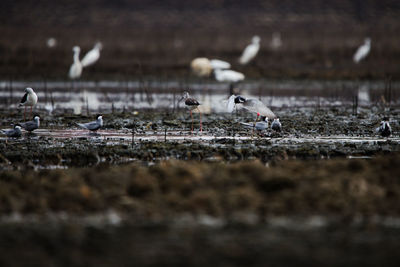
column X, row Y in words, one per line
column 202, row 67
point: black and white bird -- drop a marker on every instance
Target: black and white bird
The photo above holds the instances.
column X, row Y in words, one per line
column 276, row 125
column 93, row 125
column 29, row 99
column 191, row 104
column 31, row 125
column 16, row 132
column 259, row 125
column 384, row 129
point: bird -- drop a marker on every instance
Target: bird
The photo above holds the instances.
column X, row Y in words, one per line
column 229, row 76
column 250, row 51
column 16, row 132
column 259, row 126
column 232, row 101
column 31, row 125
column 51, row 42
column 362, row 51
column 92, row 56
column 276, row 41
column 219, row 64
column 191, row 104
column 384, row 129
column 30, row 98
column 276, row 125
column 75, row 71
column 93, row 125
column 203, row 67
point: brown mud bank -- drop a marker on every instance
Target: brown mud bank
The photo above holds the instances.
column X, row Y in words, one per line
column 340, row 187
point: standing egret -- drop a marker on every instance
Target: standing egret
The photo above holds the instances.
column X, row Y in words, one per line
column 93, row 125
column 250, row 51
column 75, row 71
column 92, row 56
column 362, row 51
column 191, row 104
column 29, row 99
column 203, row 67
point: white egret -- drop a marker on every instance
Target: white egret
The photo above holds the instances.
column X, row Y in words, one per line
column 75, row 71
column 92, row 56
column 228, row 76
column 250, row 51
column 30, row 98
column 276, row 41
column 362, row 51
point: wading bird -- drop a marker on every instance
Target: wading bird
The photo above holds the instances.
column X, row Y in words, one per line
column 75, row 71
column 202, row 67
column 250, row 51
column 384, row 129
column 362, row 51
column 93, row 125
column 16, row 132
column 92, row 56
column 31, row 125
column 191, row 104
column 276, row 125
column 29, row 99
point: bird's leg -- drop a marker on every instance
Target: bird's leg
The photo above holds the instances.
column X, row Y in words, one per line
column 191, row 116
column 25, row 114
column 254, row 125
column 201, row 127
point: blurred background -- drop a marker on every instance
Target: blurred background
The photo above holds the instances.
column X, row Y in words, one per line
column 160, row 38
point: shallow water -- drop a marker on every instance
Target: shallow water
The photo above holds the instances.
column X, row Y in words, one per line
column 164, row 94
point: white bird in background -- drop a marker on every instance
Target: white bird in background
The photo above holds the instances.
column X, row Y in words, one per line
column 228, row 76
column 250, row 51
column 92, row 56
column 75, row 71
column 203, row 67
column 51, row 42
column 29, row 99
column 276, row 41
column 219, row 64
column 362, row 51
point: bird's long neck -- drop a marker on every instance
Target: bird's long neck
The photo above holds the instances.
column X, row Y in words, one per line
column 76, row 57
